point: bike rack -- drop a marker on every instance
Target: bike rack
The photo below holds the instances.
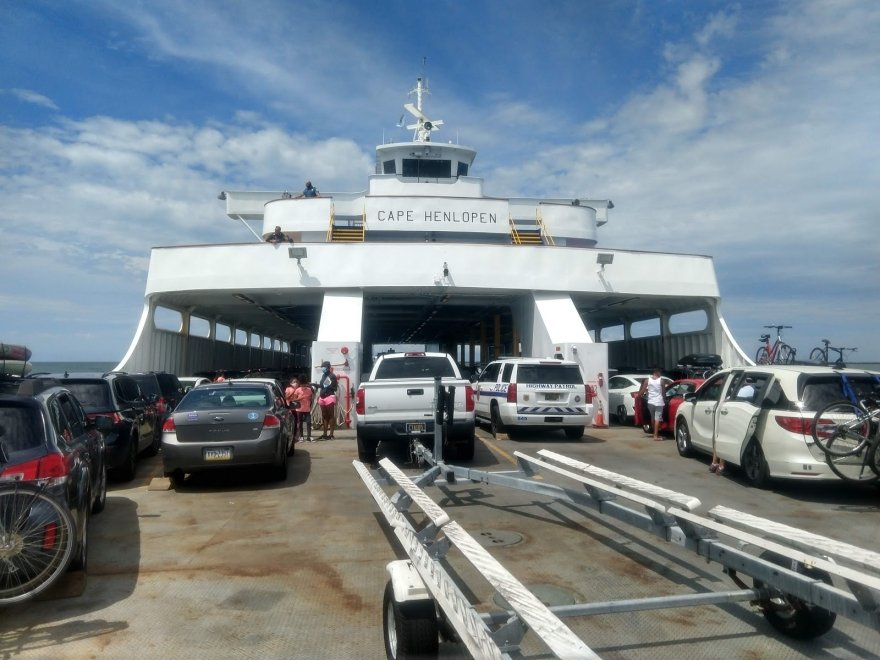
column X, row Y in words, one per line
column 666, row 514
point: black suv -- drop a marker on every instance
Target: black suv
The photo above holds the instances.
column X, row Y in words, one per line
column 172, row 390
column 137, row 425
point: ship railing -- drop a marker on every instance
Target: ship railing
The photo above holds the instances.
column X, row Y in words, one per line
column 548, row 238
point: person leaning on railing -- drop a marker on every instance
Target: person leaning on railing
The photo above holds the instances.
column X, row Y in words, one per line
column 278, row 236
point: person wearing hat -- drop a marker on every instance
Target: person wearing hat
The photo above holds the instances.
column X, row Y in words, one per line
column 327, row 400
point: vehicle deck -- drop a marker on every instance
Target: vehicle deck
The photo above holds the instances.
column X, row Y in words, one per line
column 233, row 565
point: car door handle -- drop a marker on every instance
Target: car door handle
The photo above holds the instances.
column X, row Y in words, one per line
column 723, row 412
column 415, row 392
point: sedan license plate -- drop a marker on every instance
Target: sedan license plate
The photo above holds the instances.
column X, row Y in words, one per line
column 415, row 428
column 217, row 454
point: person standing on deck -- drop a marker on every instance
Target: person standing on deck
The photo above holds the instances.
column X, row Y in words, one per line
column 327, row 401
column 655, row 386
column 310, row 191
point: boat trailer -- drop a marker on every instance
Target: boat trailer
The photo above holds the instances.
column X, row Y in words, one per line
column 792, row 574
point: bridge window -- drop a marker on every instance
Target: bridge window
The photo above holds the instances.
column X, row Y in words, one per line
column 462, row 169
column 646, row 328
column 222, row 332
column 611, row 333
column 199, row 327
column 389, row 167
column 427, row 169
column 692, row 321
column 167, row 319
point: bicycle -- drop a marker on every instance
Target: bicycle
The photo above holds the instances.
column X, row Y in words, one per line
column 36, row 540
column 820, row 354
column 848, row 433
column 779, row 352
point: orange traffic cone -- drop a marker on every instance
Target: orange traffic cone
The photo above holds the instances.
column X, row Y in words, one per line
column 599, row 420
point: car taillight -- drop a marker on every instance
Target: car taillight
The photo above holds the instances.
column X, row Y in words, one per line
column 360, row 401
column 51, row 466
column 468, row 398
column 795, row 424
column 270, row 421
column 169, row 426
column 511, row 393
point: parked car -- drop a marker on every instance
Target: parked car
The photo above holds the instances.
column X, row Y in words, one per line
column 674, row 396
column 622, row 391
column 189, row 382
column 136, row 426
column 761, row 418
column 152, row 391
column 533, row 393
column 224, row 424
column 171, row 388
column 45, row 434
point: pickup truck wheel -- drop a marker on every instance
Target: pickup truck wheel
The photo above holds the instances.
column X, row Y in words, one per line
column 367, row 450
column 495, row 424
column 683, row 439
column 464, row 451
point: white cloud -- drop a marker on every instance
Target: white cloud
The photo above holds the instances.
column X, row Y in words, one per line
column 30, row 96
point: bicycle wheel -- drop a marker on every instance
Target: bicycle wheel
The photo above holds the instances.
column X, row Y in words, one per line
column 818, row 355
column 842, row 428
column 785, row 354
column 762, row 356
column 36, row 541
column 855, row 467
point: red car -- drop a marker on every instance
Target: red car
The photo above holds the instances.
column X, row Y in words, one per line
column 674, row 396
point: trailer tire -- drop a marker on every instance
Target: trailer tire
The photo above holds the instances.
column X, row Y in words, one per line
column 790, row 615
column 410, row 628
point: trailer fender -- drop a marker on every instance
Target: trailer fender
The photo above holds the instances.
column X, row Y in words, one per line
column 405, row 580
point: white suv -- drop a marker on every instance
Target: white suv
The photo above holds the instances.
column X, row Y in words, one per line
column 517, row 393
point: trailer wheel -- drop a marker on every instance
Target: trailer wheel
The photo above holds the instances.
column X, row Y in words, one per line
column 790, row 615
column 411, row 629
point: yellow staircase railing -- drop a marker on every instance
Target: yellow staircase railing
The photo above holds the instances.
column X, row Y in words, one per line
column 525, row 236
column 349, row 234
column 543, row 228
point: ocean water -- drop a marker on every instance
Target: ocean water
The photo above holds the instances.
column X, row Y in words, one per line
column 72, row 367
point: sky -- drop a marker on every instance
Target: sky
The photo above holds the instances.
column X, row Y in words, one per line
column 748, row 131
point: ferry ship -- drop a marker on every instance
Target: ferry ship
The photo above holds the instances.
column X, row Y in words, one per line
column 423, row 258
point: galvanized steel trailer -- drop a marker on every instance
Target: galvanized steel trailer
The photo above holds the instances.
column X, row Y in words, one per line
column 801, row 581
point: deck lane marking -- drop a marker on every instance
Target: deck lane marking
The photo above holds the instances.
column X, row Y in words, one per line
column 498, row 450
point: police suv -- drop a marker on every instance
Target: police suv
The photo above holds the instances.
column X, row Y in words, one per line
column 511, row 394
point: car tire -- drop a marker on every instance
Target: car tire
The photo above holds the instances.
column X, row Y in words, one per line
column 410, row 628
column 80, row 559
column 279, row 470
column 647, row 428
column 101, row 500
column 622, row 417
column 176, row 477
column 574, row 432
column 126, row 471
column 496, row 426
column 367, row 450
column 754, row 465
column 155, row 445
column 790, row 615
column 683, row 439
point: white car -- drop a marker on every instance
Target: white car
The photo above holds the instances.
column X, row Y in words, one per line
column 518, row 393
column 766, row 429
column 622, row 390
column 189, row 382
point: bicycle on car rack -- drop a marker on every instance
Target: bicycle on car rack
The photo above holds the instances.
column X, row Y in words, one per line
column 848, row 432
column 777, row 353
column 36, row 540
column 820, row 354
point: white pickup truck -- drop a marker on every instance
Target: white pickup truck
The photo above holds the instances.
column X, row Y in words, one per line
column 397, row 403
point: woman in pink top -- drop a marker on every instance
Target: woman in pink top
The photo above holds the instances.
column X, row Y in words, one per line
column 303, row 395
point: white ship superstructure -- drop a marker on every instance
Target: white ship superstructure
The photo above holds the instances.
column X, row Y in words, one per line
column 423, row 257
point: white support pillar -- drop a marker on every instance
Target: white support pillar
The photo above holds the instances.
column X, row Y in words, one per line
column 339, row 341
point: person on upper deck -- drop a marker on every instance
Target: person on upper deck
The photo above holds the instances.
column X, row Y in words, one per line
column 278, row 236
column 310, row 190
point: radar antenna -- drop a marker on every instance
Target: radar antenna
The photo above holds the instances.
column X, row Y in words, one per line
column 423, row 126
